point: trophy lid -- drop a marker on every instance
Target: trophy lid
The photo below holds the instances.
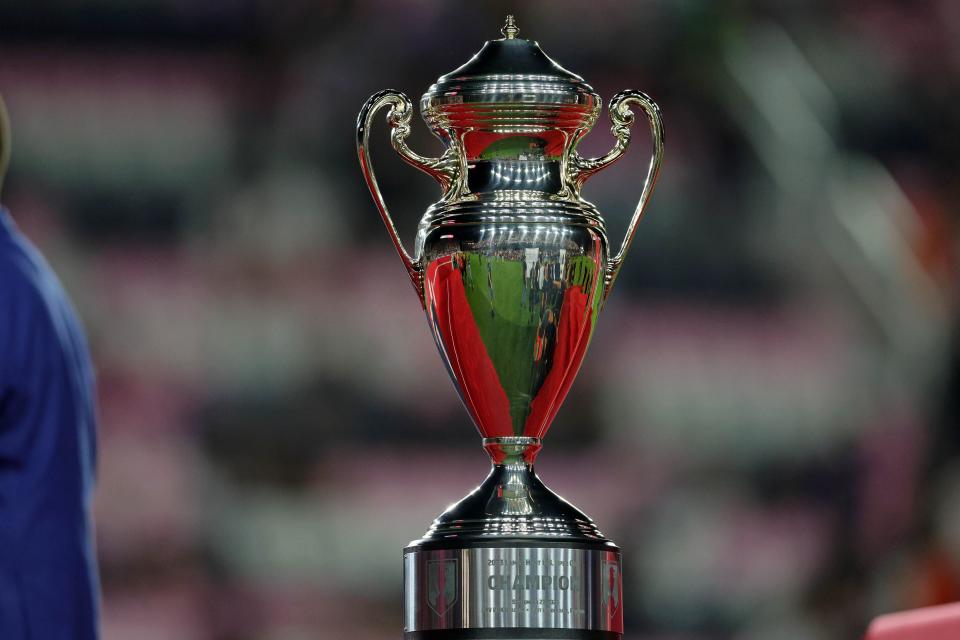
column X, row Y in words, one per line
column 508, row 70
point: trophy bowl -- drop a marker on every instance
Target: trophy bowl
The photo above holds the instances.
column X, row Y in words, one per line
column 512, row 267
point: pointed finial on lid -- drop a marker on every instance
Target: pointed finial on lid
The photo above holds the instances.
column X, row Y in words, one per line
column 510, row 29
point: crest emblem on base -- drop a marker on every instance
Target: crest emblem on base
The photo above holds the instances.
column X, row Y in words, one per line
column 611, row 586
column 442, row 591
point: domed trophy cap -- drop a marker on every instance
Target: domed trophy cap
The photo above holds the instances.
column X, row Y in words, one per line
column 509, row 70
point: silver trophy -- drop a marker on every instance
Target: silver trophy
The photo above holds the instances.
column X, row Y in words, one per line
column 512, row 266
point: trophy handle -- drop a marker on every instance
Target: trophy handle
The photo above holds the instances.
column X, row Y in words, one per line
column 622, row 119
column 442, row 169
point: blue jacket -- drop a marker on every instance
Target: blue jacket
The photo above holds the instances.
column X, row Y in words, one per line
column 48, row 575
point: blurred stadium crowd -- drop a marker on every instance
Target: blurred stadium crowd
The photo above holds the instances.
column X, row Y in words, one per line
column 767, row 420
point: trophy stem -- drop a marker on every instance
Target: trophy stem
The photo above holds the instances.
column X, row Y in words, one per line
column 512, row 450
column 513, row 472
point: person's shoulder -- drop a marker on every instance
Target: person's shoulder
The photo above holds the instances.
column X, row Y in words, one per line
column 32, row 300
column 31, row 318
column 21, row 277
column 30, row 297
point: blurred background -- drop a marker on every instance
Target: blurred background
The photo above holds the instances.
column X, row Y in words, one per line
column 767, row 422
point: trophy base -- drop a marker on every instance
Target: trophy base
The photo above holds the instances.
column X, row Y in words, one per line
column 513, row 560
column 512, row 634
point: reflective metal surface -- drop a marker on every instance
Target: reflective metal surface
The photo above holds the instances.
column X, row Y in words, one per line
column 512, row 307
column 509, row 70
column 581, row 169
column 512, row 503
column 512, row 266
column 443, row 169
column 535, row 587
